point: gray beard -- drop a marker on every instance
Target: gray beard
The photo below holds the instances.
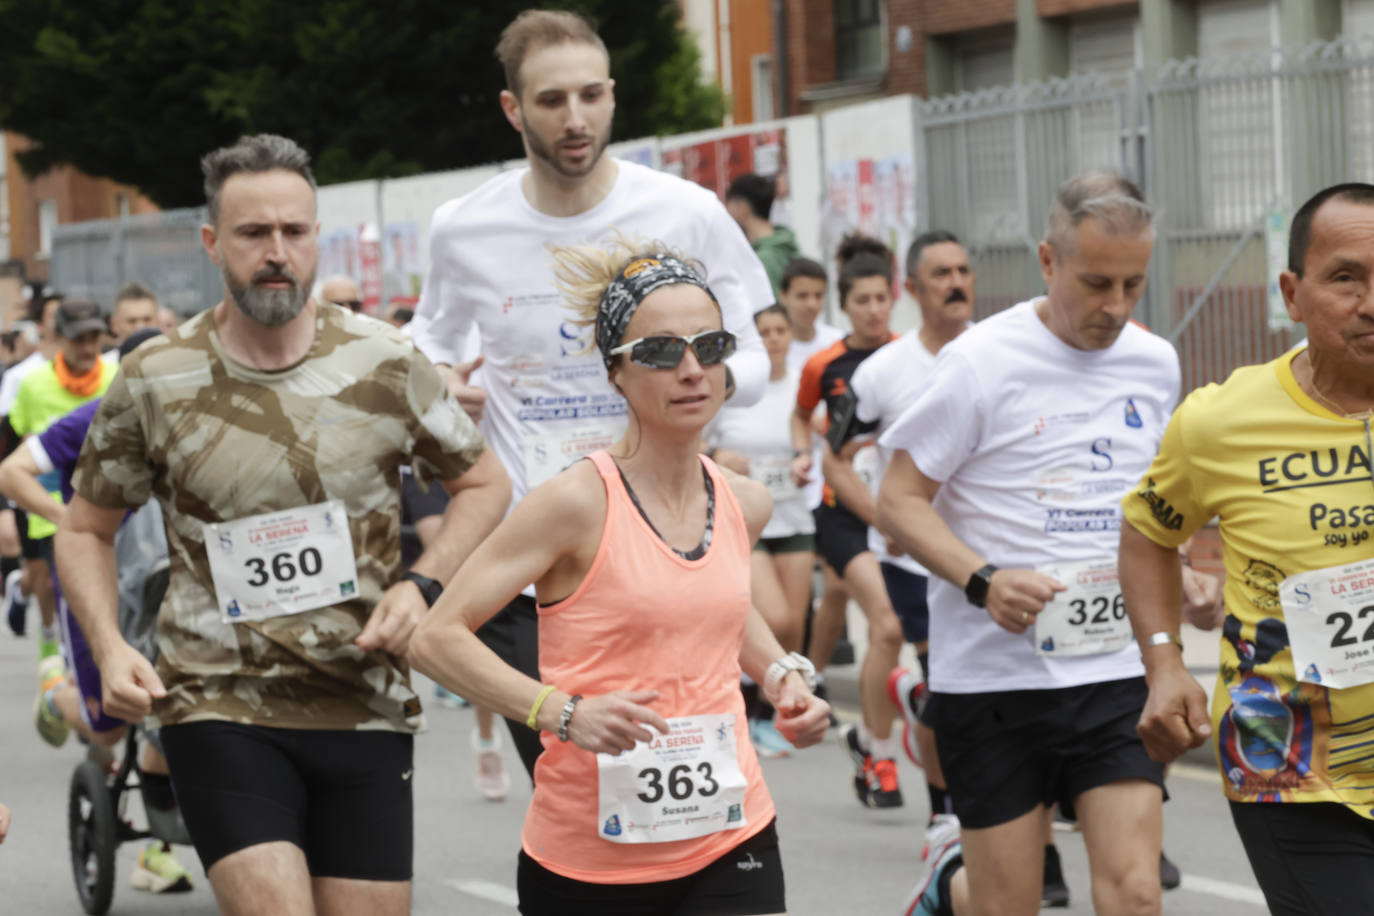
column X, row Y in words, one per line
column 270, row 308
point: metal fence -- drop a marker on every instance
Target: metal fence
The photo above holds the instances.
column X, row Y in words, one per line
column 161, row 250
column 1221, row 147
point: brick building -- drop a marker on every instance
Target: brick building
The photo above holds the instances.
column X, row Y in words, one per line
column 811, row 55
column 31, row 208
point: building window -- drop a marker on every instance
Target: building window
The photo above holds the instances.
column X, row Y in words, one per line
column 47, row 223
column 858, row 38
column 762, row 85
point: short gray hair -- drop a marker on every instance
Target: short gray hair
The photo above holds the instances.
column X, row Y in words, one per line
column 1114, row 199
column 258, row 153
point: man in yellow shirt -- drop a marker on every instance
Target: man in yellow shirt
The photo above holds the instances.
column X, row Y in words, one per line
column 1281, row 455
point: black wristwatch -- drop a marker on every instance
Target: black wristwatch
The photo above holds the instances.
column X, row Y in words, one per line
column 430, row 588
column 977, row 589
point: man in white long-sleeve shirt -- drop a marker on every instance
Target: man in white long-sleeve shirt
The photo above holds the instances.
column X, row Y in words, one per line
column 545, row 399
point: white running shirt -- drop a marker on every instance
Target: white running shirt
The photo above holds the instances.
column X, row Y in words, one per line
column 886, row 384
column 763, row 434
column 1034, row 443
column 548, row 401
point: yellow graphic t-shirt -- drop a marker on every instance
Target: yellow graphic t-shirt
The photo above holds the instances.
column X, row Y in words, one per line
column 1291, row 486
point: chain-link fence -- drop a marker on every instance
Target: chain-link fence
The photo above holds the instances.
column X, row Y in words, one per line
column 1225, row 148
column 994, row 158
column 160, row 250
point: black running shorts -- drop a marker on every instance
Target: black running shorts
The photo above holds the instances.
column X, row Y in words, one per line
column 907, row 592
column 840, row 536
column 1006, row 753
column 1310, row 858
column 745, row 881
column 343, row 797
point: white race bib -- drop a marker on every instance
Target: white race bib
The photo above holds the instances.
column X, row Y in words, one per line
column 548, row 453
column 1087, row 619
column 1330, row 619
column 775, row 473
column 682, row 785
column 281, row 563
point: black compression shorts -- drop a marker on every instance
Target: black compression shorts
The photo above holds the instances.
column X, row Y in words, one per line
column 343, row 797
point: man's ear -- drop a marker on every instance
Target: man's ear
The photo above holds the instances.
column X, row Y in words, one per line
column 510, row 107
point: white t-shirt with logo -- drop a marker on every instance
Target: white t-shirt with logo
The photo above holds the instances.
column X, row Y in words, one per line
column 797, row 355
column 548, row 399
column 1034, row 443
column 763, row 433
column 886, row 384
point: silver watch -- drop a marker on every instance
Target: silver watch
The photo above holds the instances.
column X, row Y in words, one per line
column 792, row 661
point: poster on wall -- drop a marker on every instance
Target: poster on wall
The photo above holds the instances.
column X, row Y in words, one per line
column 402, row 272
column 875, row 197
column 716, row 162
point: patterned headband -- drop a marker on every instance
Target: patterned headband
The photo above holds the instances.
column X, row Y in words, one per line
column 635, row 281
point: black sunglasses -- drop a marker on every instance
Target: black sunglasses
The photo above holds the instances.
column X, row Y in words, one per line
column 354, row 304
column 666, row 351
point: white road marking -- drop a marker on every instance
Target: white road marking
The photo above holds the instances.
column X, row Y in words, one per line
column 486, row 890
column 1226, row 889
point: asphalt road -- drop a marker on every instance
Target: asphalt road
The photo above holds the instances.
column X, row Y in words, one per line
column 839, row 858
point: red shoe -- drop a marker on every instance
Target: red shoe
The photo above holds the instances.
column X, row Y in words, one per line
column 905, row 689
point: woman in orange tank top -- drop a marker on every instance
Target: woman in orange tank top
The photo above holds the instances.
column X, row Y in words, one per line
column 648, row 797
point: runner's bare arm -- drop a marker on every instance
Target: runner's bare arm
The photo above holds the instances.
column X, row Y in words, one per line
column 472, row 399
column 1175, row 717
column 19, row 481
column 802, row 717
column 849, row 487
column 480, row 497
column 84, row 546
column 907, row 516
column 550, row 538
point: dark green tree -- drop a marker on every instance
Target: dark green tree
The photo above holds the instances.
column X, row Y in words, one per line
column 137, row 90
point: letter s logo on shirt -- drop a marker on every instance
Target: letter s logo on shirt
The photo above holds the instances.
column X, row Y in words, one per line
column 1102, row 458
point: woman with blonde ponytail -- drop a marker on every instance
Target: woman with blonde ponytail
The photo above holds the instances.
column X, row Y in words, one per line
column 648, row 796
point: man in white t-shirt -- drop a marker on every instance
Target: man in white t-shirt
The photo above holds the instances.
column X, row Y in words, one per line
column 1005, row 483
column 545, row 400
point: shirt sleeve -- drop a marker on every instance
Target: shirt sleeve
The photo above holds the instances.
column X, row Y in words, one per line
column 866, row 408
column 447, row 442
column 809, row 388
column 61, row 442
column 442, row 316
column 741, row 286
column 21, row 411
column 1165, row 507
column 943, row 427
column 40, row 454
column 114, row 471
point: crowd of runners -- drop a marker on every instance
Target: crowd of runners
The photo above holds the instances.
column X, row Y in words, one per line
column 335, row 498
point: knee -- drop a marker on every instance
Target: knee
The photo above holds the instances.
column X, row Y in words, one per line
column 885, row 632
column 1132, row 893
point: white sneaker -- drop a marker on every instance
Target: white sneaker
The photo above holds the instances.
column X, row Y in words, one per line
column 491, row 778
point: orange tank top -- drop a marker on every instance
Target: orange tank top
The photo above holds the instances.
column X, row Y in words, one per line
column 644, row 618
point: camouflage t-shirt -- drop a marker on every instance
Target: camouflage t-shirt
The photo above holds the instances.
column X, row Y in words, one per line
column 216, row 441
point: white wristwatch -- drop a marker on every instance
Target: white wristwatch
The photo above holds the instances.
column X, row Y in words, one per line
column 792, row 661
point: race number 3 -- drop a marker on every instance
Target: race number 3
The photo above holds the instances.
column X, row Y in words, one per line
column 680, row 783
column 284, row 566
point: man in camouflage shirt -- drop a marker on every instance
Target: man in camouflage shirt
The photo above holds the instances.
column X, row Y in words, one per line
column 272, row 430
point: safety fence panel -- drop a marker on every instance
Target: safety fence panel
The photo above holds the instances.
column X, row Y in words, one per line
column 994, row 158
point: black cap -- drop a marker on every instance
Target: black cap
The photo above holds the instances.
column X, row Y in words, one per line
column 79, row 316
column 132, row 342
